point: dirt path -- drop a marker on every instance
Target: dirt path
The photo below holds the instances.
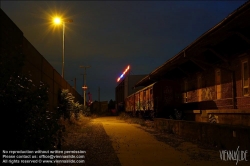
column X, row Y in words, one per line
column 135, row 145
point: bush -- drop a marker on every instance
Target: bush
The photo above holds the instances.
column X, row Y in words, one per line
column 68, row 106
column 28, row 123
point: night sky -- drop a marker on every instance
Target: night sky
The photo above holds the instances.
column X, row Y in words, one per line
column 110, row 35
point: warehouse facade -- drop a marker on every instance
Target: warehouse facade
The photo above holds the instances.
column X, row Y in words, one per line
column 214, row 72
column 124, row 88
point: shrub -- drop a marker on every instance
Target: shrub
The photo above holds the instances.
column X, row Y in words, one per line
column 68, row 106
column 28, row 123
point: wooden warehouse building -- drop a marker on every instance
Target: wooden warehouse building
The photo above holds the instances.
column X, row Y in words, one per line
column 214, row 72
column 124, row 88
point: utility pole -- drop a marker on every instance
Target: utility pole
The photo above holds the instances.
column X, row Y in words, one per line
column 82, row 83
column 99, row 102
column 99, row 94
column 75, row 83
column 84, row 87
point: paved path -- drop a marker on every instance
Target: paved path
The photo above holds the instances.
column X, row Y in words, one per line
column 135, row 146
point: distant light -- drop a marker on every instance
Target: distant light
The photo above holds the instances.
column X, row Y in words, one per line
column 123, row 73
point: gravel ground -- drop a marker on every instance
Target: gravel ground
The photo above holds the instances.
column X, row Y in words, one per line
column 195, row 150
column 93, row 139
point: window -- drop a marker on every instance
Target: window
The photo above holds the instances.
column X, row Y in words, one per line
column 185, row 85
column 199, row 81
column 144, row 95
column 217, row 77
column 245, row 79
column 199, row 86
column 193, row 84
column 218, row 83
column 185, row 94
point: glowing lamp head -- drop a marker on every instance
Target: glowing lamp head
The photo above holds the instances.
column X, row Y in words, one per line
column 57, row 20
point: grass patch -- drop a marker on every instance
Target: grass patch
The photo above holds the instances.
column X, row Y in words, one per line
column 74, row 125
column 74, row 131
column 128, row 119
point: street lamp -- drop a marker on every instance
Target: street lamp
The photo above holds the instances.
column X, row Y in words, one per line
column 58, row 20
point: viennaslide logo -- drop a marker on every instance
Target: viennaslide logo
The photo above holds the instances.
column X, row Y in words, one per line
column 233, row 155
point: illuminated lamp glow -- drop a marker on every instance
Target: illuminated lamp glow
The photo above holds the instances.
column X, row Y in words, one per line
column 57, row 20
column 123, row 73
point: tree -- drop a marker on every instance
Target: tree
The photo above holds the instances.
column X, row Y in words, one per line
column 111, row 104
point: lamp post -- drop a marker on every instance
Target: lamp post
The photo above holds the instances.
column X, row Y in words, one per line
column 59, row 21
column 84, row 84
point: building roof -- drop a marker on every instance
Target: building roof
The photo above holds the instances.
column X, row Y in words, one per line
column 228, row 38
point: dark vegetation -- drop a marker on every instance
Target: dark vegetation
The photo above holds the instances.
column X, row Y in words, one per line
column 29, row 124
column 27, row 121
